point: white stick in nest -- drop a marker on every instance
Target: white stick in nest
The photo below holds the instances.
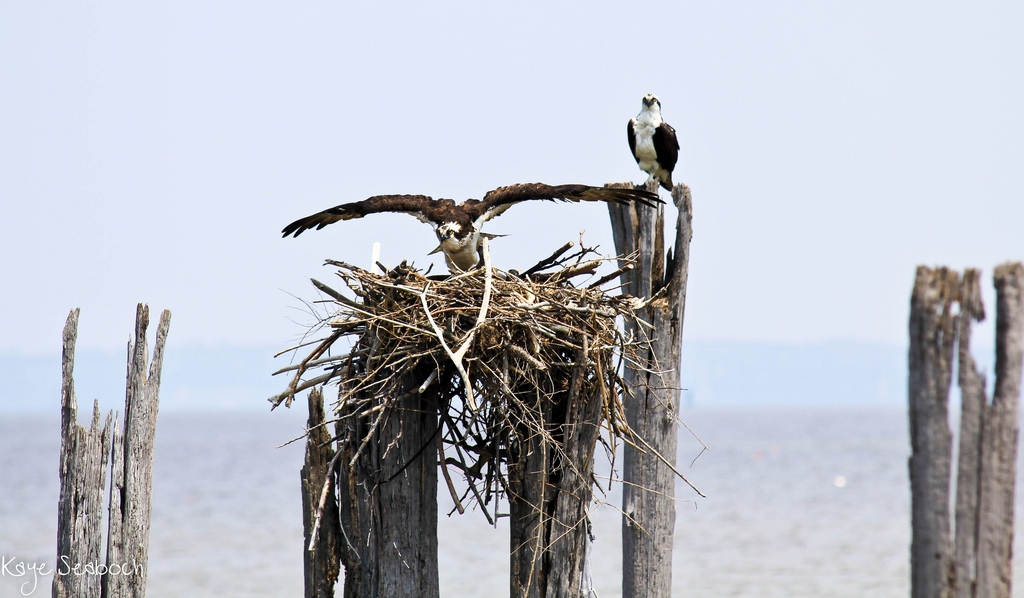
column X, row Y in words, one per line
column 457, row 356
column 374, row 258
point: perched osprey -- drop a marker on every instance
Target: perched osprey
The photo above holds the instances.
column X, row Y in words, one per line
column 653, row 142
column 457, row 226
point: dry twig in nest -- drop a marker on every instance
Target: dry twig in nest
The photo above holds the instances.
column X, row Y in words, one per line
column 499, row 349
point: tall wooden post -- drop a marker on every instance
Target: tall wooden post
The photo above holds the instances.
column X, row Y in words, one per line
column 976, row 561
column 387, row 494
column 972, row 407
column 550, row 488
column 933, row 325
column 83, row 464
column 1000, row 431
column 321, row 551
column 653, row 404
column 131, row 483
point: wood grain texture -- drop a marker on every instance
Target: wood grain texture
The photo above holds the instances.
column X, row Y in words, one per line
column 85, row 455
column 999, row 439
column 83, row 463
column 933, row 325
column 980, row 563
column 972, row 405
column 550, row 492
column 130, row 511
column 112, row 586
column 528, row 505
column 388, row 497
column 321, row 561
column 651, row 410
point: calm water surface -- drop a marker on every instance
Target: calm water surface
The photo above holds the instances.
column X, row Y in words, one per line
column 226, row 518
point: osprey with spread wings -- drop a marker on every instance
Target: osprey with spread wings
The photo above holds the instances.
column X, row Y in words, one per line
column 457, row 226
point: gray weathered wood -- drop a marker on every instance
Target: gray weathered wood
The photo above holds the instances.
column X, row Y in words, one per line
column 83, row 462
column 81, row 573
column 972, row 404
column 321, row 560
column 980, row 563
column 388, row 498
column 528, row 486
column 933, row 325
column 115, row 538
column 653, row 404
column 550, row 491
column 129, row 515
column 999, row 439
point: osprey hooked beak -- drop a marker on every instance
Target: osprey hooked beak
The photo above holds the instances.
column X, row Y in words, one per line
column 650, row 100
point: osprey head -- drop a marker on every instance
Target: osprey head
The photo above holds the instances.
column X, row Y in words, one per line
column 458, row 245
column 448, row 230
column 651, row 101
column 451, row 236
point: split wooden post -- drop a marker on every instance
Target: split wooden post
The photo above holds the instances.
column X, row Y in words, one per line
column 972, row 406
column 997, row 451
column 933, row 325
column 321, row 555
column 83, row 463
column 653, row 402
column 131, row 485
column 976, row 561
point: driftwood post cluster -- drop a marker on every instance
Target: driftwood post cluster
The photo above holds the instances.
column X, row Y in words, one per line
column 652, row 382
column 81, row 571
column 502, row 381
column 974, row 560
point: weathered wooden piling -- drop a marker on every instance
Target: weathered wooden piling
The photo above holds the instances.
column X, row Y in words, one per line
column 84, row 457
column 975, row 562
column 131, row 488
column 652, row 399
column 80, row 570
column 972, row 406
column 932, row 338
column 321, row 556
column 387, row 493
column 550, row 488
column 999, row 437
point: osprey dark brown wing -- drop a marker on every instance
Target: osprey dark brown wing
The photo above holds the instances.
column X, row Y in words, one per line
column 631, row 137
column 502, row 198
column 420, row 206
column 666, row 145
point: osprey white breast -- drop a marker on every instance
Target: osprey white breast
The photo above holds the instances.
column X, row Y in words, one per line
column 653, row 142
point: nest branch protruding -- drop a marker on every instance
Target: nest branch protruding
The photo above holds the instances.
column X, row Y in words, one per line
column 496, row 350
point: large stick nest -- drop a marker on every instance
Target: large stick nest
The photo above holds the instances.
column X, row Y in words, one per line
column 492, row 344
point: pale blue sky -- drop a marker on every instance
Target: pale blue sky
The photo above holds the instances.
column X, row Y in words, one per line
column 153, row 153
